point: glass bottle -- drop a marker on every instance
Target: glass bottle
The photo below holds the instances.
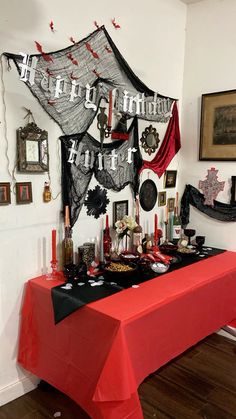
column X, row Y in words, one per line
column 68, row 248
column 176, row 227
column 107, row 240
column 47, row 195
column 137, row 237
column 137, row 231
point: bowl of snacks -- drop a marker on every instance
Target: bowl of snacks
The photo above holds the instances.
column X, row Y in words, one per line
column 120, row 269
column 159, row 267
column 129, row 257
column 188, row 250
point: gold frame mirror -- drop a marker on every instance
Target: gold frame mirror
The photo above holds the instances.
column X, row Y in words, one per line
column 32, row 149
column 150, row 139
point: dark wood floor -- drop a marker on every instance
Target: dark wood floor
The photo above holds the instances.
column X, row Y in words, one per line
column 201, row 383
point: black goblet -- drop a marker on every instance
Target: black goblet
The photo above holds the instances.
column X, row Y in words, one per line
column 200, row 240
column 189, row 232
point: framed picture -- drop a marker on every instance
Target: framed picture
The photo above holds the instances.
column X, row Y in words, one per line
column 233, row 190
column 32, row 149
column 120, row 209
column 161, row 199
column 5, row 193
column 218, row 126
column 170, row 178
column 171, row 204
column 23, row 193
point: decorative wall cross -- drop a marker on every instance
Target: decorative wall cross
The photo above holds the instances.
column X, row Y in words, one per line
column 211, row 186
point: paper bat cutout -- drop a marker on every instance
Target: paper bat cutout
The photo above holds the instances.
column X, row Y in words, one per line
column 51, row 25
column 45, row 56
column 108, row 49
column 96, row 24
column 50, row 73
column 96, row 73
column 73, row 60
column 89, row 48
column 73, row 77
column 72, row 40
column 116, row 25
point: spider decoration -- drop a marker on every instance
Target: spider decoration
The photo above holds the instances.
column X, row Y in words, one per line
column 96, row 202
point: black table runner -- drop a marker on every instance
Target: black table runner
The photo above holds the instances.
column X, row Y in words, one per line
column 68, row 297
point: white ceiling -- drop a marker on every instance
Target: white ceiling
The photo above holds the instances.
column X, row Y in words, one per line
column 190, row 1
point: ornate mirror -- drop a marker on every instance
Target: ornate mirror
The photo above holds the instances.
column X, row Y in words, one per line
column 32, row 149
column 150, row 139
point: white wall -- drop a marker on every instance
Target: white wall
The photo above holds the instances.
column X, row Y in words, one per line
column 210, row 66
column 152, row 41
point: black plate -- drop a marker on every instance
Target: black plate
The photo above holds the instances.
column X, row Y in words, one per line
column 148, row 195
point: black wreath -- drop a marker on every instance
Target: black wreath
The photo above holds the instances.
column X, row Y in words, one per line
column 96, row 201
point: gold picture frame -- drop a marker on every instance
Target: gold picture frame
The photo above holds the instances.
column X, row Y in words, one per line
column 161, row 199
column 171, row 204
column 218, row 126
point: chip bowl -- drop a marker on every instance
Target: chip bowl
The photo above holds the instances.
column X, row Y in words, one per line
column 120, row 270
column 159, row 267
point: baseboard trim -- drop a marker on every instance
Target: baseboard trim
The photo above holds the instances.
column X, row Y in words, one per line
column 17, row 389
column 228, row 331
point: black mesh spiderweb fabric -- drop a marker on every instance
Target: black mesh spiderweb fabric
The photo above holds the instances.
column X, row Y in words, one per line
column 220, row 211
column 76, row 177
column 95, row 61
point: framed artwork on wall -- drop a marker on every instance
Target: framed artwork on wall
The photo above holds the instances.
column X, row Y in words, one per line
column 171, row 204
column 170, row 178
column 233, row 190
column 32, row 149
column 23, row 193
column 5, row 193
column 218, row 126
column 120, row 209
column 162, row 199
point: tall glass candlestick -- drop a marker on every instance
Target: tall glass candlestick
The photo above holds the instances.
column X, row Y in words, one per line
column 166, row 232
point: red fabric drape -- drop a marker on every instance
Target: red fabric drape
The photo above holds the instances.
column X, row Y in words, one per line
column 169, row 147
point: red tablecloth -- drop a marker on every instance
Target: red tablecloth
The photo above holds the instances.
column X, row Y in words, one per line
column 101, row 353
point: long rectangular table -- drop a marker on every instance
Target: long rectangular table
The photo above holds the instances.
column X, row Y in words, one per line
column 101, row 353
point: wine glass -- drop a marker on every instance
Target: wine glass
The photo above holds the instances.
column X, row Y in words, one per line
column 189, row 232
column 200, row 240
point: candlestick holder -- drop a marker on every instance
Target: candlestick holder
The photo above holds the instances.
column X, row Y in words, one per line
column 55, row 273
column 166, row 233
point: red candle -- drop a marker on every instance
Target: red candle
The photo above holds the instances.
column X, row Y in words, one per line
column 156, row 227
column 109, row 122
column 54, row 249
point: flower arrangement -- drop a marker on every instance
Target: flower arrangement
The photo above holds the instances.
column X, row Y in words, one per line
column 124, row 227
